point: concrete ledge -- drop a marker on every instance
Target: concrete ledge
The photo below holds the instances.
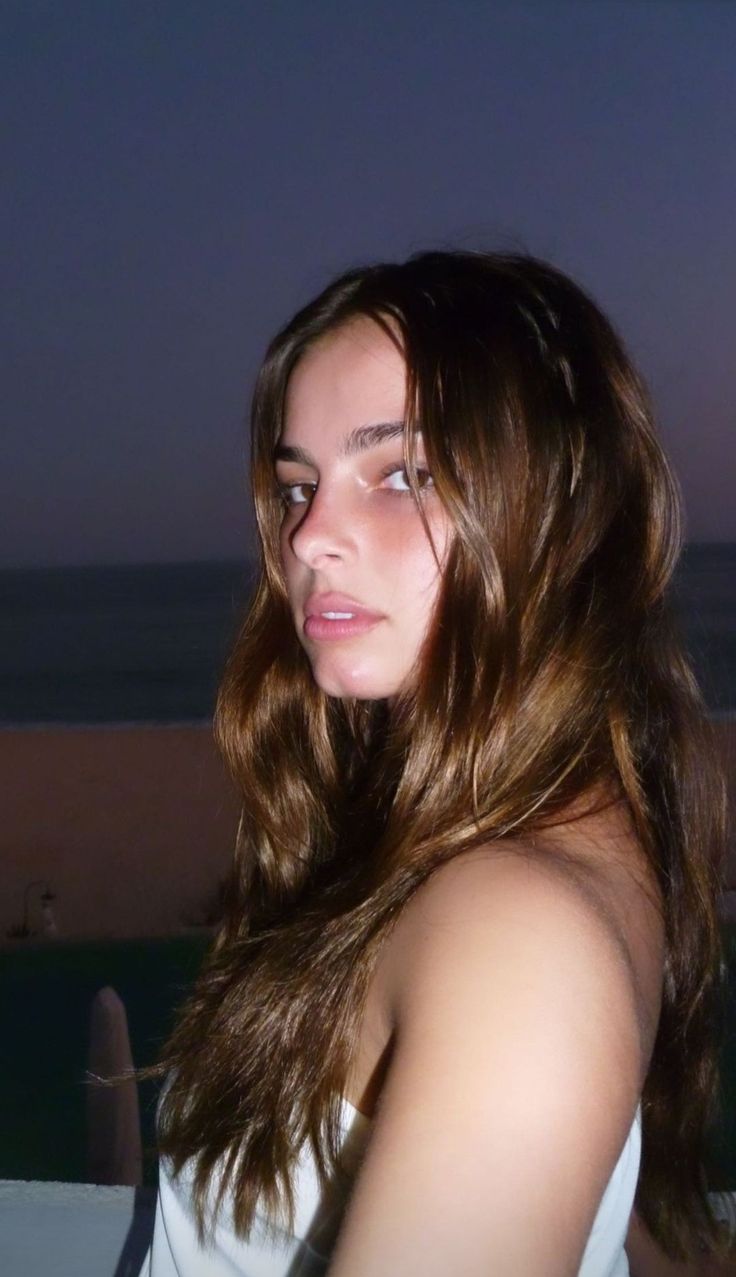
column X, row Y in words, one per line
column 73, row 1230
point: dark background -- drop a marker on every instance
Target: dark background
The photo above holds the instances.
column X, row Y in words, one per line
column 180, row 175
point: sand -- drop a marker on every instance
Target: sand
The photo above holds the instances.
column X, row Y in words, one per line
column 131, row 827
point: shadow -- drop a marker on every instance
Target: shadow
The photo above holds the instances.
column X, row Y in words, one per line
column 139, row 1235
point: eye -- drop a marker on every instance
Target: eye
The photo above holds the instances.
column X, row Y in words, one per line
column 397, row 480
column 296, row 493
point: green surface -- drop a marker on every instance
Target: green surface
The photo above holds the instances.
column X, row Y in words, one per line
column 45, row 996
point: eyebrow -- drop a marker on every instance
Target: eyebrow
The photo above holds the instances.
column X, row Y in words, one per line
column 359, row 440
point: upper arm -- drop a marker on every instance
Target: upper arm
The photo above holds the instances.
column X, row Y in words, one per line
column 512, row 1086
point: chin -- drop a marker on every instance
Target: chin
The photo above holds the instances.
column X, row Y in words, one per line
column 354, row 684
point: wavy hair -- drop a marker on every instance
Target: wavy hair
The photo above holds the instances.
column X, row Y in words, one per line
column 552, row 665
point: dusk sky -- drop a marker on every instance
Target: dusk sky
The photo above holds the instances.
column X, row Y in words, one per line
column 180, row 175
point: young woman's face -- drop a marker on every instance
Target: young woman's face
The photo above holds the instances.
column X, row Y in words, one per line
column 361, row 573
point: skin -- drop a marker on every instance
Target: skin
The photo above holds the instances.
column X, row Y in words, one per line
column 350, row 527
column 491, row 1158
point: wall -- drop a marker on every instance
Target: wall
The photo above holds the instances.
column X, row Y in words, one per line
column 132, row 827
column 73, row 1230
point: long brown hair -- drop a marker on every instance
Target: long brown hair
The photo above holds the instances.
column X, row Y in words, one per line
column 552, row 664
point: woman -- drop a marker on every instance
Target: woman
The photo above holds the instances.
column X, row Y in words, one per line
column 469, row 955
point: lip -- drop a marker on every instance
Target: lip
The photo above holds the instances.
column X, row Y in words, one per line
column 334, row 602
column 322, row 628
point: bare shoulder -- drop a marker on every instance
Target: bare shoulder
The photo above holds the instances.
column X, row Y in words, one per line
column 517, row 1060
column 542, row 917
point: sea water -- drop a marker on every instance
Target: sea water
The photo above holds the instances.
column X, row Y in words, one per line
column 148, row 643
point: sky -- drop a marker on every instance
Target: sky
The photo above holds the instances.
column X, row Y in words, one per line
column 180, row 176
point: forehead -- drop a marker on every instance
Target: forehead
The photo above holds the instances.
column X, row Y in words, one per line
column 350, row 377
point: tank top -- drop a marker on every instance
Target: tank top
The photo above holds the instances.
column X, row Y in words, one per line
column 305, row 1251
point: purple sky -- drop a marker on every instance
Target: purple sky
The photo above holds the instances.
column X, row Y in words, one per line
column 182, row 175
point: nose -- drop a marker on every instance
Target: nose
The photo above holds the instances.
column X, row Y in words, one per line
column 323, row 533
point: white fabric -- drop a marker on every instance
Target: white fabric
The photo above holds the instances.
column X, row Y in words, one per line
column 175, row 1251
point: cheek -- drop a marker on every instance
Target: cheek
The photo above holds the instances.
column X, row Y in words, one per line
column 417, row 575
column 289, row 564
column 283, row 546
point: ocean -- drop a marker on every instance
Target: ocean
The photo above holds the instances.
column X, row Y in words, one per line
column 148, row 643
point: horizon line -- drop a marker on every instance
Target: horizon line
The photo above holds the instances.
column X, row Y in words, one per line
column 231, row 560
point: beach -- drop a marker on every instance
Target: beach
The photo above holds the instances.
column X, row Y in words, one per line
column 132, row 826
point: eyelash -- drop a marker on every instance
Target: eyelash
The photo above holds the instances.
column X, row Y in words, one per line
column 285, row 488
column 424, row 479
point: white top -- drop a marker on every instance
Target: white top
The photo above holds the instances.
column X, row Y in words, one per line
column 175, row 1251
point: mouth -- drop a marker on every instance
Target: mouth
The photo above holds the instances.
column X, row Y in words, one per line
column 335, row 616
